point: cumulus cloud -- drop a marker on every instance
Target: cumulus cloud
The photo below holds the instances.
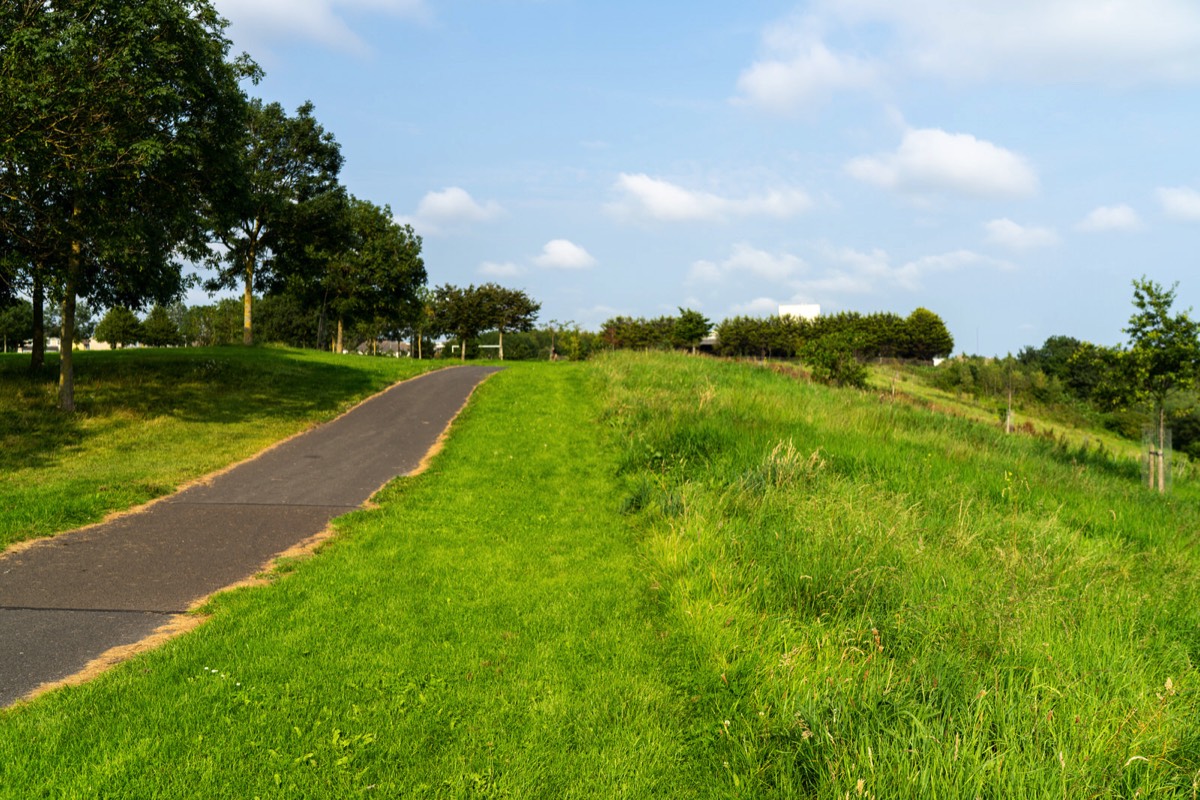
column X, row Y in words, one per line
column 450, row 209
column 1111, row 218
column 1007, row 233
column 321, row 21
column 758, row 307
column 506, row 269
column 1043, row 41
column 748, row 260
column 931, row 160
column 802, row 79
column 853, row 271
column 1180, row 202
column 645, row 197
column 1115, row 42
column 564, row 254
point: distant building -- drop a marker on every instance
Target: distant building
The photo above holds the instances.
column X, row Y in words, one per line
column 801, row 311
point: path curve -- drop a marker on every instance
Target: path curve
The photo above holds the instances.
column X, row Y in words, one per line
column 88, row 597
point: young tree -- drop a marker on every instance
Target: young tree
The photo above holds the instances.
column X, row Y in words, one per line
column 118, row 115
column 508, row 310
column 287, row 175
column 1164, row 356
column 119, row 327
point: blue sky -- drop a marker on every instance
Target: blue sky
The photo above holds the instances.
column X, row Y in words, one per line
column 1012, row 166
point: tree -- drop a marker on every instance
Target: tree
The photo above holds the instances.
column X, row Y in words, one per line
column 690, row 327
column 159, row 330
column 375, row 280
column 508, row 310
column 1164, row 356
column 463, row 313
column 927, row 336
column 16, row 324
column 119, row 327
column 119, row 118
column 287, row 177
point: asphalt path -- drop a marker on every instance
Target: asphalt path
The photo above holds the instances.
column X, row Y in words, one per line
column 66, row 600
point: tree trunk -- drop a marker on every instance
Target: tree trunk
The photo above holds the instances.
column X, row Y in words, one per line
column 66, row 361
column 501, row 345
column 247, row 301
column 462, row 348
column 339, row 336
column 38, row 358
column 1162, row 448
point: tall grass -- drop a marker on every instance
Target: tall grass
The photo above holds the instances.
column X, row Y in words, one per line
column 873, row 600
column 149, row 420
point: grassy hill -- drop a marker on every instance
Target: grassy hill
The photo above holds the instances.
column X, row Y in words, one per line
column 658, row 575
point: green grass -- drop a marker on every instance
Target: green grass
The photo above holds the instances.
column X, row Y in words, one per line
column 659, row 575
column 149, row 420
column 485, row 633
column 887, row 602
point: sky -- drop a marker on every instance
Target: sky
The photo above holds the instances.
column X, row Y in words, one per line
column 1012, row 166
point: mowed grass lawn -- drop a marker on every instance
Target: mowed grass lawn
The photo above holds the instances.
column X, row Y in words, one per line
column 665, row 576
column 150, row 420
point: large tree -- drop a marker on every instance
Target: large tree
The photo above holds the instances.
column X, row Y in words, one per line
column 1163, row 356
column 284, row 194
column 465, row 313
column 117, row 118
column 375, row 280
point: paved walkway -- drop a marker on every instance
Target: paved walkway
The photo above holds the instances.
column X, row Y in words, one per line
column 66, row 600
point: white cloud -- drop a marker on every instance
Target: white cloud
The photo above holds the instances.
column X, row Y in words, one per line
column 563, row 254
column 1111, row 218
column 657, row 199
column 758, row 307
column 1007, row 233
column 932, row 160
column 803, row 78
column 506, row 269
column 774, row 267
column 449, row 209
column 1105, row 42
column 1180, row 202
column 320, row 21
column 1043, row 41
column 858, row 272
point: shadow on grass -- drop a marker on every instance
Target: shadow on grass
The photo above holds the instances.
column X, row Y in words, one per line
column 196, row 385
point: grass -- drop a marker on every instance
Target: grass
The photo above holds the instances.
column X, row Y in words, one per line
column 887, row 602
column 659, row 575
column 150, row 420
column 485, row 633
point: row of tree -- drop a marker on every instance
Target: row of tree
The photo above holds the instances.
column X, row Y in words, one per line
column 129, row 149
column 921, row 336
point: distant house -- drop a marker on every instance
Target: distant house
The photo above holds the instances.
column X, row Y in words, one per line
column 808, row 311
column 385, row 347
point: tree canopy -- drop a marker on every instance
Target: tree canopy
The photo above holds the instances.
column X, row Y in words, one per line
column 283, row 202
column 119, row 119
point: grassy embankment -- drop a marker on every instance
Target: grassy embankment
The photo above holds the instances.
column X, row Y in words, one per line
column 149, row 420
column 755, row 587
column 884, row 601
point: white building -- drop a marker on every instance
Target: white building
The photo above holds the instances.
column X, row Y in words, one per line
column 809, row 311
